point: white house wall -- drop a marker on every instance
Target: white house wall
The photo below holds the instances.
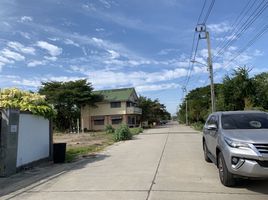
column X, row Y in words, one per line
column 33, row 139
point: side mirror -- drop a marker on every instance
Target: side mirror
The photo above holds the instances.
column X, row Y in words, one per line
column 212, row 127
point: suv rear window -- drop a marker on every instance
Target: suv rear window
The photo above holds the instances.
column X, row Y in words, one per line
column 245, row 121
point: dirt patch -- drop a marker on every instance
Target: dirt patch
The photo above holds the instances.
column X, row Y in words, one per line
column 83, row 144
column 82, row 139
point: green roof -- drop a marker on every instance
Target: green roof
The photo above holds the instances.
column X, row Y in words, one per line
column 116, row 94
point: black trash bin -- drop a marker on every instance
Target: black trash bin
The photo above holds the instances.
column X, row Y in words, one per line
column 59, row 150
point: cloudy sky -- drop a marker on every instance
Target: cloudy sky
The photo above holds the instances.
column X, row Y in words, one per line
column 125, row 43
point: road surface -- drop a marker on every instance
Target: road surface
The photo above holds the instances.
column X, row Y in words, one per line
column 161, row 164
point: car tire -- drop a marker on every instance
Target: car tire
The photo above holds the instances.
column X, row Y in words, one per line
column 226, row 177
column 205, row 149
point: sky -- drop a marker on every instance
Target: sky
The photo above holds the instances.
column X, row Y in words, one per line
column 125, row 43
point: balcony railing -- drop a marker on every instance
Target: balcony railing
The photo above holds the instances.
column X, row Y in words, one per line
column 134, row 110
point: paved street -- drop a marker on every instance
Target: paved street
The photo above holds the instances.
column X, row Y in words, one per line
column 160, row 164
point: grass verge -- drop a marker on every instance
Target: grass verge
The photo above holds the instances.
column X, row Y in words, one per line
column 90, row 143
column 136, row 131
column 98, row 141
column 197, row 126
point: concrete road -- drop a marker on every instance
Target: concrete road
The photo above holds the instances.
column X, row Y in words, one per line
column 161, row 164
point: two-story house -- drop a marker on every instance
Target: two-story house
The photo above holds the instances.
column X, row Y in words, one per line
column 118, row 106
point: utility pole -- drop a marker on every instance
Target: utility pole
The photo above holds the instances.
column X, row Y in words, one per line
column 204, row 34
column 186, row 106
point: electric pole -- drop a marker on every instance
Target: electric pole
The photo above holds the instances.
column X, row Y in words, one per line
column 186, row 106
column 204, row 34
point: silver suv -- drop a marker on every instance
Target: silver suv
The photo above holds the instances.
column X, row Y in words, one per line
column 237, row 142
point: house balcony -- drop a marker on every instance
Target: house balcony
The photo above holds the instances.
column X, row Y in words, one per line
column 134, row 110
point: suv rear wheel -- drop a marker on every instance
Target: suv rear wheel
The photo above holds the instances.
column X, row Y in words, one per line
column 205, row 149
column 225, row 176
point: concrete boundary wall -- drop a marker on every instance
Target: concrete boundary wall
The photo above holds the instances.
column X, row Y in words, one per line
column 33, row 139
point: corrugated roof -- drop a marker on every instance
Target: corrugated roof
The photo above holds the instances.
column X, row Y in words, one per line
column 122, row 94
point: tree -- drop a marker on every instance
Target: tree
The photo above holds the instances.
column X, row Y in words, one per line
column 199, row 104
column 260, row 98
column 68, row 98
column 26, row 101
column 152, row 110
column 238, row 90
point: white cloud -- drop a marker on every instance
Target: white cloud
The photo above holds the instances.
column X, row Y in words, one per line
column 1, row 66
column 102, row 78
column 54, row 39
column 89, row 7
column 198, row 70
column 51, row 58
column 4, row 60
column 71, row 42
column 13, row 55
column 219, row 28
column 167, row 51
column 155, row 87
column 21, row 48
column 26, row 19
column 258, row 53
column 229, row 37
column 98, row 43
column 123, row 20
column 34, row 82
column 35, row 63
column 52, row 49
column 26, row 82
column 100, row 29
column 25, row 35
column 113, row 54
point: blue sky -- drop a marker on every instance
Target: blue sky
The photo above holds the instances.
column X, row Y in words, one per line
column 115, row 43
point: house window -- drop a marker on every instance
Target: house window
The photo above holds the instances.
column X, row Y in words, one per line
column 117, row 119
column 98, row 120
column 116, row 104
column 131, row 104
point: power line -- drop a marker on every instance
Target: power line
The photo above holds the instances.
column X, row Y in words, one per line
column 189, row 62
column 209, row 11
column 249, row 44
column 201, row 11
column 250, row 20
column 192, row 65
column 236, row 22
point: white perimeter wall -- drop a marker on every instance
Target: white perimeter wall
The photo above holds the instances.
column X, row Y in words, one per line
column 33, row 139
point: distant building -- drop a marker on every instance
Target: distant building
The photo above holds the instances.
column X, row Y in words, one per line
column 118, row 106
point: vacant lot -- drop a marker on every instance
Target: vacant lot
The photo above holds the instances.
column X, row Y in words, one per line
column 86, row 144
column 83, row 144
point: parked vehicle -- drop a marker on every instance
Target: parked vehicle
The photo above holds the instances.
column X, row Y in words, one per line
column 237, row 142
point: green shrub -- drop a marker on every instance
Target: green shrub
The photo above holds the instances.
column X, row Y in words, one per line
column 109, row 129
column 198, row 126
column 26, row 101
column 122, row 133
column 136, row 131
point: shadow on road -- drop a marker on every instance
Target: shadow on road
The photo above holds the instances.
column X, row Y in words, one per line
column 259, row 186
column 42, row 174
